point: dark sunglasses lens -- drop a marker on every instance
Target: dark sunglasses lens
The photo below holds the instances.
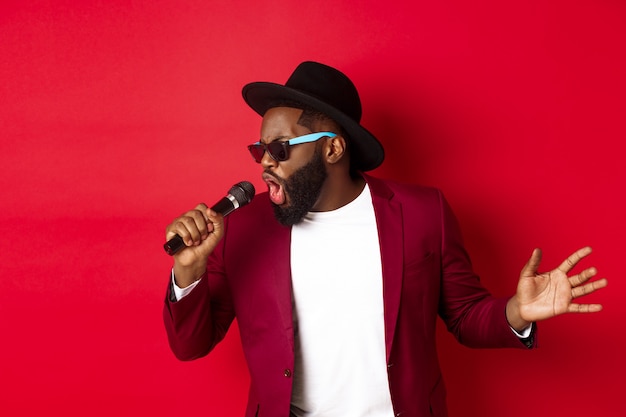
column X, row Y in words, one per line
column 257, row 152
column 278, row 150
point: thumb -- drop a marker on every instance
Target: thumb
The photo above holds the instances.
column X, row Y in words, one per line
column 215, row 224
column 531, row 267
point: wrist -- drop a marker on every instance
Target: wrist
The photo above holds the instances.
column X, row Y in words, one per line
column 514, row 316
column 184, row 276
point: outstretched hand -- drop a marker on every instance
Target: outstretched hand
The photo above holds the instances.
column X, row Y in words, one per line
column 544, row 295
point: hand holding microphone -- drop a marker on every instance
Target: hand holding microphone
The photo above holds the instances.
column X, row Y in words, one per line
column 199, row 231
column 194, row 226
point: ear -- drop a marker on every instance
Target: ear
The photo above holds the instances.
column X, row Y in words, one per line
column 335, row 149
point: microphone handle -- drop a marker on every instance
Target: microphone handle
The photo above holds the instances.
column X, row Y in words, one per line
column 174, row 245
column 225, row 206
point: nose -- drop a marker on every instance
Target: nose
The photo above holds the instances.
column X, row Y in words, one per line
column 267, row 161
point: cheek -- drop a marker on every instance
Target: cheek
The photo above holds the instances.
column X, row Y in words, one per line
column 285, row 169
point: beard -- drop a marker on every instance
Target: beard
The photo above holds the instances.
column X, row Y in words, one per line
column 303, row 189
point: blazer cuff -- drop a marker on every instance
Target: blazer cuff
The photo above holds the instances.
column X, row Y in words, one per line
column 527, row 336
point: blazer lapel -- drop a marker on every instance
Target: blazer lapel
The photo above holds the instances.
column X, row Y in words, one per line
column 281, row 250
column 390, row 234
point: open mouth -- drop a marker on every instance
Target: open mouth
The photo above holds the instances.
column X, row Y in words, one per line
column 276, row 190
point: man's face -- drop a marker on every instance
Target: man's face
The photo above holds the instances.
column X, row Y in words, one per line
column 294, row 185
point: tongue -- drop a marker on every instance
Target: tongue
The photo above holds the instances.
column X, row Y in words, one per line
column 277, row 194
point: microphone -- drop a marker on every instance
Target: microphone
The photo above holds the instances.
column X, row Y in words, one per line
column 238, row 196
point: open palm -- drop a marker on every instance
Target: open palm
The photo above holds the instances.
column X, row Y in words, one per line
column 544, row 295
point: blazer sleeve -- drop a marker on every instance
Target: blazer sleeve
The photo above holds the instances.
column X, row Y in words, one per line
column 471, row 313
column 196, row 323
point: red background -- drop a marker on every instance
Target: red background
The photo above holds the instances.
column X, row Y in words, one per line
column 117, row 116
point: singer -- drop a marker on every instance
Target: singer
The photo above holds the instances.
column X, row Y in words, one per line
column 336, row 277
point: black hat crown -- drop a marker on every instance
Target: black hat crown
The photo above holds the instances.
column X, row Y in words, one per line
column 329, row 91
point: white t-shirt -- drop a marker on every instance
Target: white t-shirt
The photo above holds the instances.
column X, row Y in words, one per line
column 340, row 368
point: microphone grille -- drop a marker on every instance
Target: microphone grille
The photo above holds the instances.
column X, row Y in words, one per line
column 243, row 192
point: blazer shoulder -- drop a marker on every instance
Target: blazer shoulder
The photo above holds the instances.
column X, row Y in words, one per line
column 254, row 223
column 404, row 192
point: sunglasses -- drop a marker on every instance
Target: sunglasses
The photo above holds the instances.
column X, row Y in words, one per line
column 279, row 150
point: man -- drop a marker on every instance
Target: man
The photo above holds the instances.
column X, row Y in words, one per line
column 336, row 277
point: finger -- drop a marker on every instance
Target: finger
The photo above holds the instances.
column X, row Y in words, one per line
column 199, row 227
column 200, row 218
column 589, row 288
column 202, row 207
column 584, row 308
column 187, row 229
column 531, row 267
column 216, row 222
column 583, row 277
column 573, row 259
column 192, row 226
column 209, row 215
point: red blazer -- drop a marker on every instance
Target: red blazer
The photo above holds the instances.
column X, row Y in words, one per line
column 426, row 272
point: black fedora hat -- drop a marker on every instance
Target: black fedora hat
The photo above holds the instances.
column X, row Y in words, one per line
column 329, row 91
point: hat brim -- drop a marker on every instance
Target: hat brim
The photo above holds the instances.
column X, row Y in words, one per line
column 366, row 151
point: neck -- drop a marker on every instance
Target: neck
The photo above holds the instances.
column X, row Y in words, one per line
column 338, row 191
